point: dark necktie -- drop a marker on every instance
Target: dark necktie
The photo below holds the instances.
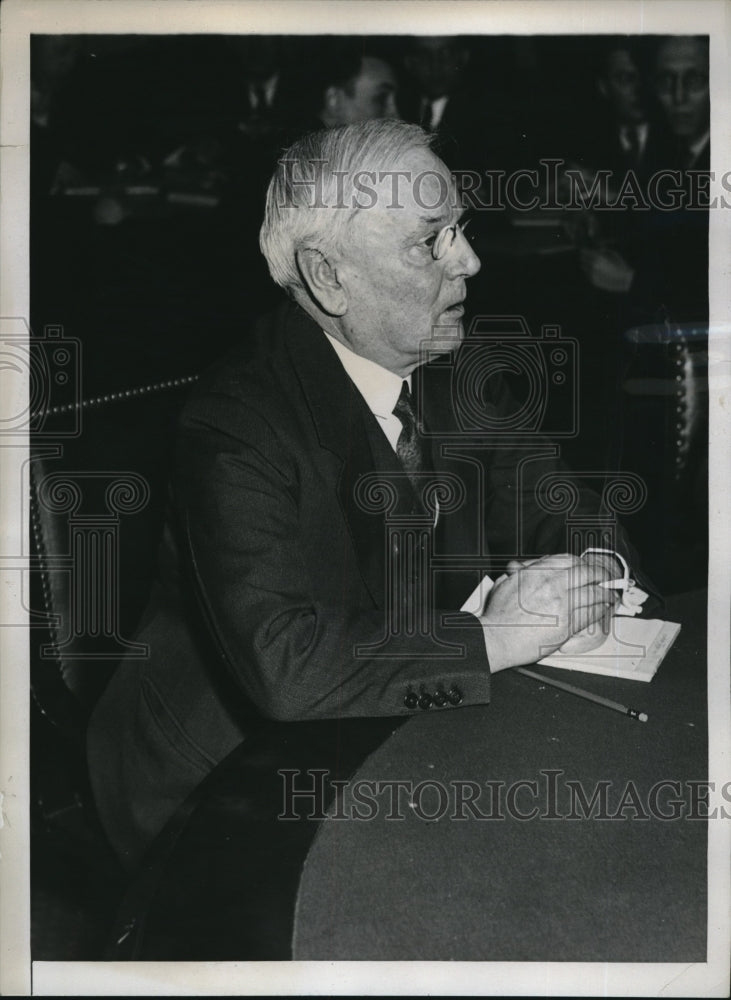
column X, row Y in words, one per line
column 427, row 112
column 412, row 448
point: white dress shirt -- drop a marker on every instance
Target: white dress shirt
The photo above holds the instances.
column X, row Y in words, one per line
column 432, row 112
column 696, row 148
column 640, row 133
column 379, row 387
column 263, row 94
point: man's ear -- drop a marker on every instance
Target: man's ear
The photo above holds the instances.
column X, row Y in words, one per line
column 321, row 280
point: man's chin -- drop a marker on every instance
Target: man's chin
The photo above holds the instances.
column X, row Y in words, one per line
column 446, row 336
column 450, row 323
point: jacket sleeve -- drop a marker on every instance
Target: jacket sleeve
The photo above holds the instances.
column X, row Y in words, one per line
column 294, row 655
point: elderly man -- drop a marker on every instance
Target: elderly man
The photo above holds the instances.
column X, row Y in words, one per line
column 334, row 510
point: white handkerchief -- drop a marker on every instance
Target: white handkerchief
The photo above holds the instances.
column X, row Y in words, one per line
column 632, row 600
column 475, row 603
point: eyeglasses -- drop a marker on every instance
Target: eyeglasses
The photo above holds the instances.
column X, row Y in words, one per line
column 445, row 238
column 632, row 598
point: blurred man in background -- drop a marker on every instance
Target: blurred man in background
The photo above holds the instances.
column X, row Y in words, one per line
column 620, row 85
column 668, row 276
column 436, row 95
column 337, row 81
column 683, row 93
column 437, row 66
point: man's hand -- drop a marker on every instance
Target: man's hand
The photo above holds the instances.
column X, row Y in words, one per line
column 539, row 604
column 607, row 567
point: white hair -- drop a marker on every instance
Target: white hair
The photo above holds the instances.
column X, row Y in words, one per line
column 309, row 200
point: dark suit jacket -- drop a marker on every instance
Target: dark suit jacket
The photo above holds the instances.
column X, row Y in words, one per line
column 293, row 549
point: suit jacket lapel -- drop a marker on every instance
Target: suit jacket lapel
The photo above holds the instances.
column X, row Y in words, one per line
column 339, row 414
column 345, row 427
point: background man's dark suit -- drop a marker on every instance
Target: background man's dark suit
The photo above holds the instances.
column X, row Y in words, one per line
column 291, row 574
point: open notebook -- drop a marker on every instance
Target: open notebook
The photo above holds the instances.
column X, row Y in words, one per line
column 633, row 650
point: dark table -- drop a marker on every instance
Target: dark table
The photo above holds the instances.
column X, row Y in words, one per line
column 530, row 871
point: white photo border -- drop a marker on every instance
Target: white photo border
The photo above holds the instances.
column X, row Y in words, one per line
column 19, row 19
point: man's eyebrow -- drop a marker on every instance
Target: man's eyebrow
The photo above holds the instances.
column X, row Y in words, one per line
column 431, row 220
column 441, row 220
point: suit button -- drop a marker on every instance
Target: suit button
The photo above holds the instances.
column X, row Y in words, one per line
column 440, row 698
column 411, row 701
column 454, row 696
column 425, row 701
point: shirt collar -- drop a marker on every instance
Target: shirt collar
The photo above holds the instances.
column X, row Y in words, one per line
column 697, row 146
column 639, row 130
column 437, row 110
column 267, row 88
column 379, row 387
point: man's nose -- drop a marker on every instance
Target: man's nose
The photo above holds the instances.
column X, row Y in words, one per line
column 465, row 260
column 391, row 110
column 679, row 90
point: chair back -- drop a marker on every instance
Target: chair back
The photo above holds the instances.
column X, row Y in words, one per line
column 664, row 437
column 98, row 500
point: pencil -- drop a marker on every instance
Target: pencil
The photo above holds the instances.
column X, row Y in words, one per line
column 588, row 695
